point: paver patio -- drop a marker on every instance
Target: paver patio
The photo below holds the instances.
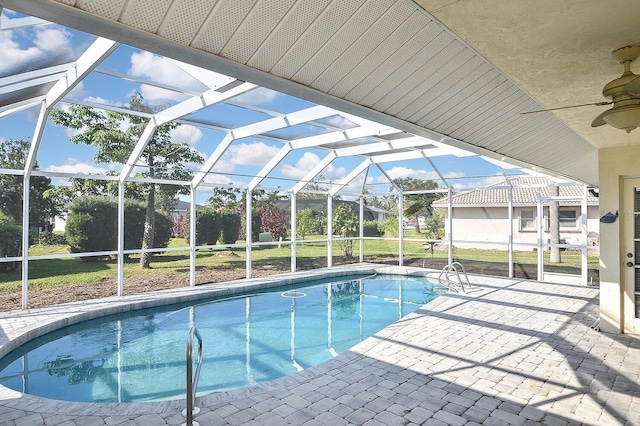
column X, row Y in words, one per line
column 508, row 352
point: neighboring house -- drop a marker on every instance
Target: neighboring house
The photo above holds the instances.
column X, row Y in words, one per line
column 483, row 215
column 319, row 206
column 183, row 207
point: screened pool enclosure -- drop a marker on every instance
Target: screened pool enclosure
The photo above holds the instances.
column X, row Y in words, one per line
column 248, row 145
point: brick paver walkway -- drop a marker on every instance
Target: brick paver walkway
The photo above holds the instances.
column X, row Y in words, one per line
column 508, row 352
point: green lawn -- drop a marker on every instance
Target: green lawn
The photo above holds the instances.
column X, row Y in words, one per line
column 267, row 259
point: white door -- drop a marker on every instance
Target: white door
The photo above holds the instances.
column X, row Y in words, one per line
column 631, row 257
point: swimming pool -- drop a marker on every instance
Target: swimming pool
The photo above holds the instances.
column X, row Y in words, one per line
column 248, row 339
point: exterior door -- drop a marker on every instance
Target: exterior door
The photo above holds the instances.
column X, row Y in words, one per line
column 631, row 256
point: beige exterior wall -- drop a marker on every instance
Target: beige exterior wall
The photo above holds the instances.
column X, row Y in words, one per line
column 482, row 227
column 480, row 224
column 615, row 164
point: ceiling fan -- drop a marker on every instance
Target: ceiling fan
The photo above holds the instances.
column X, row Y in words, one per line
column 624, row 93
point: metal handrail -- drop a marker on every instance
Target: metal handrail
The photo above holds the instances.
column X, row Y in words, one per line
column 448, row 282
column 454, row 264
column 192, row 382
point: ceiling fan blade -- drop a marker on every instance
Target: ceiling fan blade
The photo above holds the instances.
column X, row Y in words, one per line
column 567, row 107
column 599, row 120
column 633, row 86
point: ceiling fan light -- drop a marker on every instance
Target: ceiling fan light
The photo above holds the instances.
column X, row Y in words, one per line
column 625, row 118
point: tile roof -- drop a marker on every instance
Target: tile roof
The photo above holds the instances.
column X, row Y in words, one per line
column 524, row 193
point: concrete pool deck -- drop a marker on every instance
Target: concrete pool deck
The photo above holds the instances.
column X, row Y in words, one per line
column 507, row 352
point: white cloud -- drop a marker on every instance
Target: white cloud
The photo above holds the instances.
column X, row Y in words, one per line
column 47, row 46
column 302, row 166
column 252, row 154
column 258, row 96
column 483, row 183
column 307, row 162
column 340, row 122
column 51, row 39
column 405, row 172
column 162, row 70
column 220, row 180
column 186, row 133
column 73, row 165
column 245, row 154
column 102, row 101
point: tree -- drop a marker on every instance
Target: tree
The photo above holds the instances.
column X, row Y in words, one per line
column 162, row 157
column 226, row 197
column 345, row 223
column 13, row 155
column 273, row 221
column 417, row 204
column 435, row 226
column 304, row 222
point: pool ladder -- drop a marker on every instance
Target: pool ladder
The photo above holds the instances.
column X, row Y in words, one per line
column 450, row 277
column 192, row 380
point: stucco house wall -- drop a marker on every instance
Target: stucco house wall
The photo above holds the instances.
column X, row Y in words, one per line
column 483, row 227
column 481, row 216
column 617, row 306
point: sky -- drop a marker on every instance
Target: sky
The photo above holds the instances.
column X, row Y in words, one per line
column 32, row 48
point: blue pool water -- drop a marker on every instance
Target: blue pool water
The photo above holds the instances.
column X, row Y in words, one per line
column 247, row 339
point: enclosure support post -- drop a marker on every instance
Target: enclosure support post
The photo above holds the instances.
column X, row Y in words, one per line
column 510, row 202
column 192, row 238
column 401, row 228
column 540, row 215
column 450, row 212
column 294, row 226
column 248, row 225
column 26, row 184
column 585, row 235
column 329, row 230
column 120, row 238
column 361, row 251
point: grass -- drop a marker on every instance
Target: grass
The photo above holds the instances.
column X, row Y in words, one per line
column 50, row 273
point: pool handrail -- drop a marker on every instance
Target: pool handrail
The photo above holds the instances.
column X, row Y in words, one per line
column 454, row 264
column 192, row 381
column 450, row 284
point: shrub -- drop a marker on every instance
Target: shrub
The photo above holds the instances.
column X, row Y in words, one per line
column 134, row 217
column 390, row 227
column 10, row 244
column 180, row 226
column 230, row 220
column 49, row 238
column 274, row 221
column 208, row 226
column 345, row 223
column 371, row 228
column 256, row 225
column 92, row 225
